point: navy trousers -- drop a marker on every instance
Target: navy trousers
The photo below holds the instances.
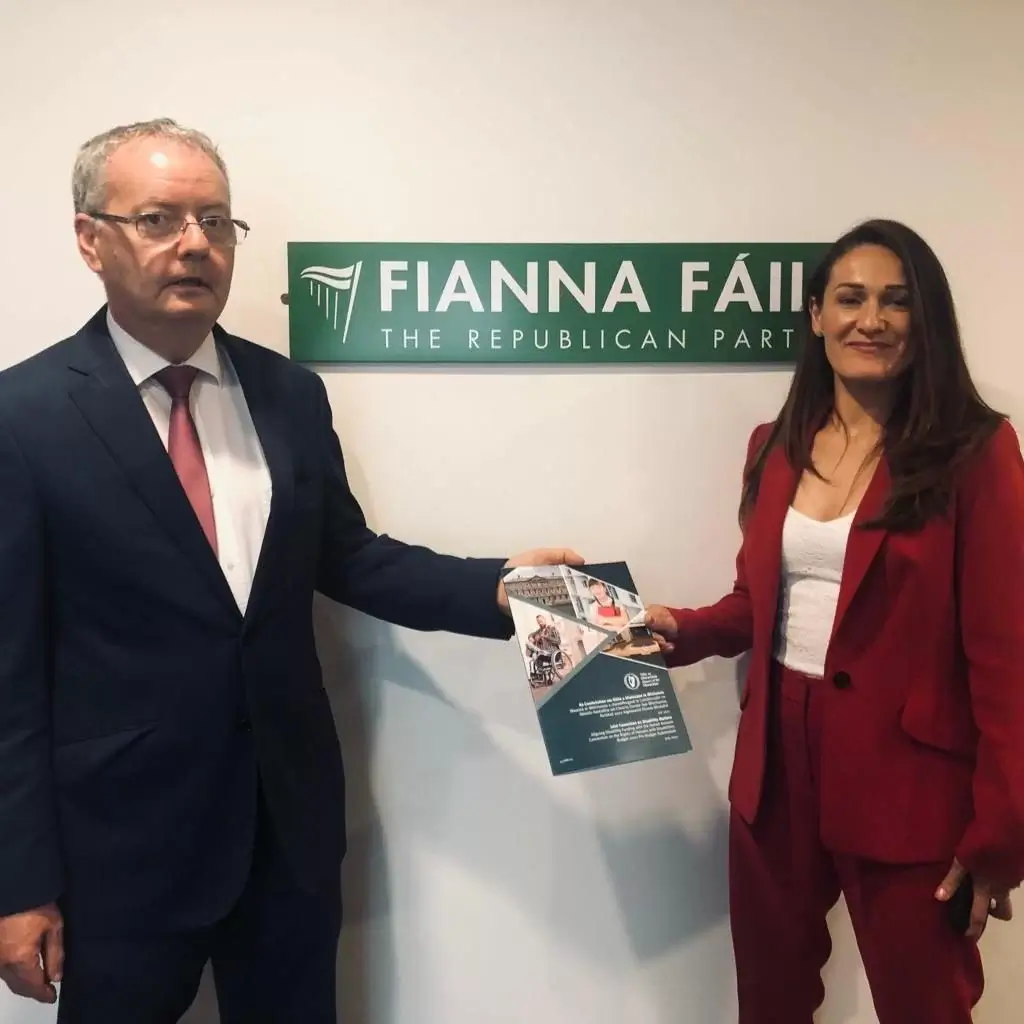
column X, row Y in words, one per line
column 273, row 958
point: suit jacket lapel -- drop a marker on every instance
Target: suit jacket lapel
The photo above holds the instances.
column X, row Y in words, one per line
column 863, row 545
column 109, row 400
column 764, row 545
column 272, row 430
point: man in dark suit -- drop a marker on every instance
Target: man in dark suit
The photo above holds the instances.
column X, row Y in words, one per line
column 171, row 496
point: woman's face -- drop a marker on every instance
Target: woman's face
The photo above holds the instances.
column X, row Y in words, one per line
column 864, row 316
column 600, row 593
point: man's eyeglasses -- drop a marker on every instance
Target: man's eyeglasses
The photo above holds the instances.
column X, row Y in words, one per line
column 159, row 226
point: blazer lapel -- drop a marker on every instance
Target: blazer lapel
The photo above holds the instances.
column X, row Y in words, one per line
column 272, row 429
column 764, row 545
column 863, row 545
column 109, row 401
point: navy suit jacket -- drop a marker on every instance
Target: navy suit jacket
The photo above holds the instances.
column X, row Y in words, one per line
column 138, row 706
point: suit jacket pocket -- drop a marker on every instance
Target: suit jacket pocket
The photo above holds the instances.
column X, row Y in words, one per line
column 946, row 729
column 79, row 757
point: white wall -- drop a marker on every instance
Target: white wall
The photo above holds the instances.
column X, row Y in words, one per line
column 478, row 888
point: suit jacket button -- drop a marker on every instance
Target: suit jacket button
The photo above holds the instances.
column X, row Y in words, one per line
column 245, row 725
column 841, row 680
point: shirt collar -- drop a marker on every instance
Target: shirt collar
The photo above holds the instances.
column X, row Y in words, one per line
column 143, row 362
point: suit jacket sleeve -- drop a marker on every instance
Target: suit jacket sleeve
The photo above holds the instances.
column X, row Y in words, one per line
column 990, row 592
column 408, row 585
column 724, row 629
column 30, row 870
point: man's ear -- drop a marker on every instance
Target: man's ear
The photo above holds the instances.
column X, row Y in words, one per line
column 85, row 235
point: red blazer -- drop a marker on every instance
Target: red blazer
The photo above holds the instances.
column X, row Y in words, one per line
column 923, row 744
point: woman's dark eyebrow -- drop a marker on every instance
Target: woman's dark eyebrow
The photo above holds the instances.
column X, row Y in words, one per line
column 860, row 288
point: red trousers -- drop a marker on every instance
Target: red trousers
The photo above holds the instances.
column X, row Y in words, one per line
column 783, row 882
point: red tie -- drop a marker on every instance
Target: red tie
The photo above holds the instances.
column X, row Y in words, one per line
column 184, row 449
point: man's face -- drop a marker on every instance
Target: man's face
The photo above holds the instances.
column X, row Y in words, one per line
column 150, row 282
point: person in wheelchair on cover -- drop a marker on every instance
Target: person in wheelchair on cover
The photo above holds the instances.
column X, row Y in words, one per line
column 542, row 645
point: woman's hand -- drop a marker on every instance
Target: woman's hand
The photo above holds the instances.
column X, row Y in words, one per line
column 989, row 900
column 662, row 624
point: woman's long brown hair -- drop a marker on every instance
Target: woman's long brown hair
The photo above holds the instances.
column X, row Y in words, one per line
column 938, row 418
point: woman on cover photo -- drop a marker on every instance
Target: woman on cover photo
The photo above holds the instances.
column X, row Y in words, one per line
column 604, row 611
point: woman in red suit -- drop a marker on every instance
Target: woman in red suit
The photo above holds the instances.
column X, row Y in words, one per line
column 880, row 590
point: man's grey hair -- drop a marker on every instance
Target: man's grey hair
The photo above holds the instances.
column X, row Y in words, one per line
column 88, row 181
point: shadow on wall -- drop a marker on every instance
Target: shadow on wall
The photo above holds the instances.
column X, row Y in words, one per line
column 634, row 861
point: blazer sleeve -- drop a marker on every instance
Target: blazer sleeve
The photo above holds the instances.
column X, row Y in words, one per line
column 405, row 584
column 30, row 864
column 724, row 629
column 990, row 593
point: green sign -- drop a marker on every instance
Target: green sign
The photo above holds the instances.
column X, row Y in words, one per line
column 405, row 302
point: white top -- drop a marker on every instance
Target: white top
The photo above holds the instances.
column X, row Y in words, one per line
column 235, row 464
column 813, row 553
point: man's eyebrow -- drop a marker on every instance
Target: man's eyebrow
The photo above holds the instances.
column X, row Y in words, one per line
column 164, row 205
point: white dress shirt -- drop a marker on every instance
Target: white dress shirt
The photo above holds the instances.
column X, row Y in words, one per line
column 235, row 464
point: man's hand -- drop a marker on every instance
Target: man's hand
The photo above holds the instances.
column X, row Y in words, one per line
column 538, row 556
column 989, row 900
column 32, row 953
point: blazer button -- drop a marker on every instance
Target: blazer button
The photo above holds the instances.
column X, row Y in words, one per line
column 841, row 680
column 244, row 724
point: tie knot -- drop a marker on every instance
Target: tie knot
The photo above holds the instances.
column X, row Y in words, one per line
column 177, row 380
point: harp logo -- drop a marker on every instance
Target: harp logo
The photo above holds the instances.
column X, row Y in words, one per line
column 327, row 286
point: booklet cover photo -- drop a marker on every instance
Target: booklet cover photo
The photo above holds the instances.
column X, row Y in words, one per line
column 599, row 682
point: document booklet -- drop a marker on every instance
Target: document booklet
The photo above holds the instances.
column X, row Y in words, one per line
column 598, row 680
